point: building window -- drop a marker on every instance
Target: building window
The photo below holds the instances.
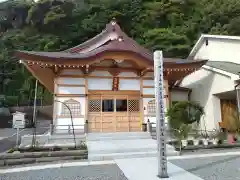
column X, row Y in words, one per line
column 107, row 105
column 73, row 105
column 151, row 107
column 94, row 105
column 121, row 105
column 133, row 105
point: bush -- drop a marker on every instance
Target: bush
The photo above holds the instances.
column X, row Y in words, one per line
column 186, row 112
column 181, row 115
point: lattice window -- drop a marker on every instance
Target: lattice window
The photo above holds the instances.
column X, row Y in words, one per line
column 94, row 105
column 151, row 107
column 74, row 106
column 133, row 105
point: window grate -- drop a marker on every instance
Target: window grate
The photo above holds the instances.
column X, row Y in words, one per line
column 94, row 105
column 133, row 105
column 73, row 105
column 151, row 107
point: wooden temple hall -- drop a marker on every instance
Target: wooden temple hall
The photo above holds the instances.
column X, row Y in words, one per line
column 107, row 81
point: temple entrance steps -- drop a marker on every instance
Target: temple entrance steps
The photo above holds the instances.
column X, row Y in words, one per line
column 108, row 146
column 117, row 136
column 66, row 137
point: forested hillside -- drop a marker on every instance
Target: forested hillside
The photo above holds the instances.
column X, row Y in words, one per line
column 54, row 25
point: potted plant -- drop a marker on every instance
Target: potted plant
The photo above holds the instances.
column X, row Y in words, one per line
column 214, row 137
column 196, row 138
column 232, row 124
column 184, row 132
column 221, row 136
column 181, row 116
column 205, row 138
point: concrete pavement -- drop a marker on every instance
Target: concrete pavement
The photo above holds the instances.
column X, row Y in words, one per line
column 222, row 165
column 215, row 166
column 97, row 172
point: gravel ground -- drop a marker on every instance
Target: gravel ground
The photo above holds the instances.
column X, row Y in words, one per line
column 212, row 168
column 93, row 172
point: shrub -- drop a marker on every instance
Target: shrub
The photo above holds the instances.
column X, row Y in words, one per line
column 181, row 115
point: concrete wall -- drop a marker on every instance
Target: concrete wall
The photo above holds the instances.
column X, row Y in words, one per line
column 220, row 50
column 177, row 95
column 205, row 84
column 60, row 121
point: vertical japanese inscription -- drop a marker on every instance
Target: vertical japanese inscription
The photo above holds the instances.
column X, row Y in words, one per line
column 160, row 114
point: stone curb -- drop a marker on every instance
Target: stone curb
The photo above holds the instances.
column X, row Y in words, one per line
column 42, row 154
column 11, row 162
column 200, row 147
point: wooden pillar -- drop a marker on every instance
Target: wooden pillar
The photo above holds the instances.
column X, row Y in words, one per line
column 167, row 95
column 55, row 105
column 86, row 99
column 141, row 103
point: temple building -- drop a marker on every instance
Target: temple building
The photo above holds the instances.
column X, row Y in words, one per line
column 106, row 81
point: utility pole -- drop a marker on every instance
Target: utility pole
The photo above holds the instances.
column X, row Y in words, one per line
column 160, row 114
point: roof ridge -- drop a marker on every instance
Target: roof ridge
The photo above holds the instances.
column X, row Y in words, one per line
column 109, row 28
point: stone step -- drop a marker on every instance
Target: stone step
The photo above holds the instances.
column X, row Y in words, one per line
column 101, row 157
column 147, row 148
column 65, row 131
column 117, row 136
column 122, row 150
column 123, row 146
column 59, row 137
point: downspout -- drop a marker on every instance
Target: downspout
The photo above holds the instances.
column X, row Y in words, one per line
column 189, row 94
column 238, row 106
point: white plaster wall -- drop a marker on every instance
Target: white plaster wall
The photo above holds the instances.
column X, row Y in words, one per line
column 100, row 73
column 204, row 85
column 127, row 74
column 148, row 91
column 77, row 122
column 71, row 90
column 64, row 123
column 148, row 82
column 149, row 74
column 220, row 50
column 129, row 84
column 99, row 84
column 75, row 81
column 152, row 119
column 179, row 95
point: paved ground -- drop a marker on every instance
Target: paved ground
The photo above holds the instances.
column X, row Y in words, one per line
column 8, row 136
column 96, row 172
column 221, row 166
column 207, row 151
column 212, row 168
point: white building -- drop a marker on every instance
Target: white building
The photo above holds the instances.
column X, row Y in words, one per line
column 213, row 86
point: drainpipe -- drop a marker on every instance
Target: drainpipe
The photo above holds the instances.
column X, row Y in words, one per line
column 237, row 94
column 189, row 94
